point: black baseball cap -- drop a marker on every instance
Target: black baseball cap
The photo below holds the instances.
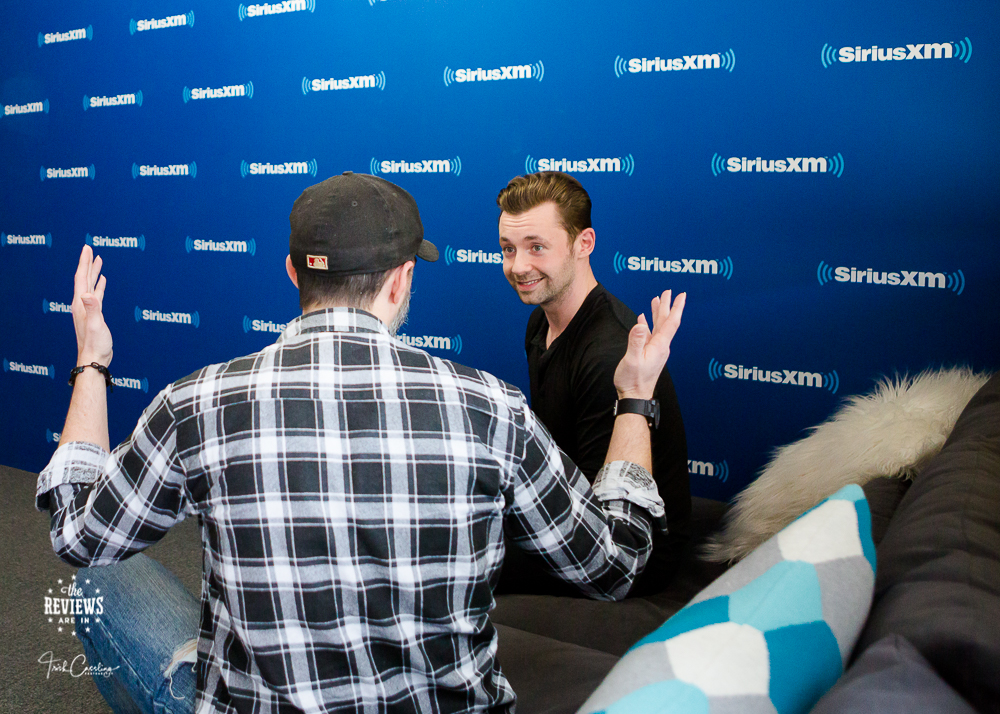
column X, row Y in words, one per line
column 356, row 223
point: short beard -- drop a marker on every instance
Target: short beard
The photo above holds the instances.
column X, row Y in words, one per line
column 401, row 314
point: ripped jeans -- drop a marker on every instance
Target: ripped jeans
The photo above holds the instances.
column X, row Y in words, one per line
column 141, row 647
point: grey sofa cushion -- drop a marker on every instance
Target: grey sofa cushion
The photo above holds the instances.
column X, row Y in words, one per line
column 938, row 582
column 891, row 677
column 549, row 676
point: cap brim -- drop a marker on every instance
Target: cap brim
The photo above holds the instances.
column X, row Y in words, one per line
column 428, row 251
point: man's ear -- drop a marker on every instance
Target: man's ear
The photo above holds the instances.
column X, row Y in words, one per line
column 585, row 241
column 290, row 269
column 399, row 282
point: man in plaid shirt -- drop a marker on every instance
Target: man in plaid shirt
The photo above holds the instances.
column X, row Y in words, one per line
column 352, row 494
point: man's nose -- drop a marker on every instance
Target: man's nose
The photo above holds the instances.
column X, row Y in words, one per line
column 521, row 263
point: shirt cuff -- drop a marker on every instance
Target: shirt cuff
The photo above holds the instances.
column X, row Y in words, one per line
column 626, row 481
column 76, row 462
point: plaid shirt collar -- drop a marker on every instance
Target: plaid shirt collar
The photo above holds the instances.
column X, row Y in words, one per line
column 333, row 319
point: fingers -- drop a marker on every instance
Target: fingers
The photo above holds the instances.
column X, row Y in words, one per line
column 82, row 276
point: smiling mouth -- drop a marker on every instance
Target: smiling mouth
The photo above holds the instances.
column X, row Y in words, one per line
column 528, row 283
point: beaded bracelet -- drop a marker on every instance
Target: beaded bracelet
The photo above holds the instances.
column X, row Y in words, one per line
column 99, row 367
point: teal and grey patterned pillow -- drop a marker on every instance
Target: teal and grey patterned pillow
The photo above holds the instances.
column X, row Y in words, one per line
column 772, row 634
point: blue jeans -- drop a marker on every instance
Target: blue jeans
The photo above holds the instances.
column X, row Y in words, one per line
column 148, row 615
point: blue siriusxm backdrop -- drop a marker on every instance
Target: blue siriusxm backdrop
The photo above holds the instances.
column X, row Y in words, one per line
column 761, row 159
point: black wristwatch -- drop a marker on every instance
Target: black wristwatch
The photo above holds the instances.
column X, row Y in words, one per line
column 649, row 408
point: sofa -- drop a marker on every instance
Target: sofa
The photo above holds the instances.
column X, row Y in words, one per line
column 928, row 624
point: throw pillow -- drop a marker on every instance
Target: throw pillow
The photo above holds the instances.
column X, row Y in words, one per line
column 772, row 634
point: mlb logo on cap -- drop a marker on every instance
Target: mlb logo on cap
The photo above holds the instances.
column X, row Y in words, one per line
column 317, row 262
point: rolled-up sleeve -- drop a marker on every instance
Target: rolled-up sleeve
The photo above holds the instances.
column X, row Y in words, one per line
column 599, row 542
column 105, row 507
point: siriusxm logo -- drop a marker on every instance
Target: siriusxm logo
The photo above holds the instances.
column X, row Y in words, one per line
column 364, row 81
column 40, row 369
column 221, row 246
column 717, row 469
column 277, row 8
column 186, row 20
column 961, row 50
column 120, row 100
column 802, row 164
column 517, row 71
column 829, row 380
column 289, row 167
column 84, row 33
column 178, row 318
column 699, row 266
column 463, row 255
column 638, row 65
column 29, row 108
column 170, row 170
column 233, row 90
column 954, row 281
column 35, row 239
column 432, row 342
column 116, row 242
column 52, row 436
column 263, row 326
column 53, row 306
column 75, row 172
column 424, row 166
column 625, row 164
column 129, row 383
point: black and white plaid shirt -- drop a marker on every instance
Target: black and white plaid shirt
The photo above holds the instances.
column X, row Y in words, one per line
column 352, row 493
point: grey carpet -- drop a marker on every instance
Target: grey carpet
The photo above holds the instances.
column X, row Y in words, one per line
column 30, row 569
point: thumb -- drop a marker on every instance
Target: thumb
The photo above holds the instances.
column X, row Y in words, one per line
column 91, row 303
column 639, row 334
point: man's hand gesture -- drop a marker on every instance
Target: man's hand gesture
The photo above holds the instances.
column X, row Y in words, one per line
column 93, row 338
column 647, row 352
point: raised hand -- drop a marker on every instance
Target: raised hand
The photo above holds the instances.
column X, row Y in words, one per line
column 93, row 338
column 647, row 352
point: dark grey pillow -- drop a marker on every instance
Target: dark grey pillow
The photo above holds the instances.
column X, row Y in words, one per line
column 884, row 495
column 890, row 677
column 938, row 581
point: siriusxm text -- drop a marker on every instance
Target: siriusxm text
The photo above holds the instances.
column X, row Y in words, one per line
column 75, row 172
column 29, row 368
column 172, row 21
column 24, row 240
column 429, row 341
column 267, row 326
column 366, row 81
column 477, row 256
column 580, row 165
column 775, row 376
column 937, row 50
column 701, row 468
column 80, row 34
column 684, row 265
column 276, row 8
column 713, row 61
column 59, row 307
column 522, row 71
column 913, row 278
column 432, row 166
column 119, row 242
column 289, row 167
column 789, row 164
column 127, row 383
column 116, row 101
column 29, row 108
column 222, row 246
column 182, row 318
column 171, row 170
column 235, row 90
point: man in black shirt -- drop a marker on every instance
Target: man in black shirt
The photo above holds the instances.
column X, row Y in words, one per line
column 573, row 342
